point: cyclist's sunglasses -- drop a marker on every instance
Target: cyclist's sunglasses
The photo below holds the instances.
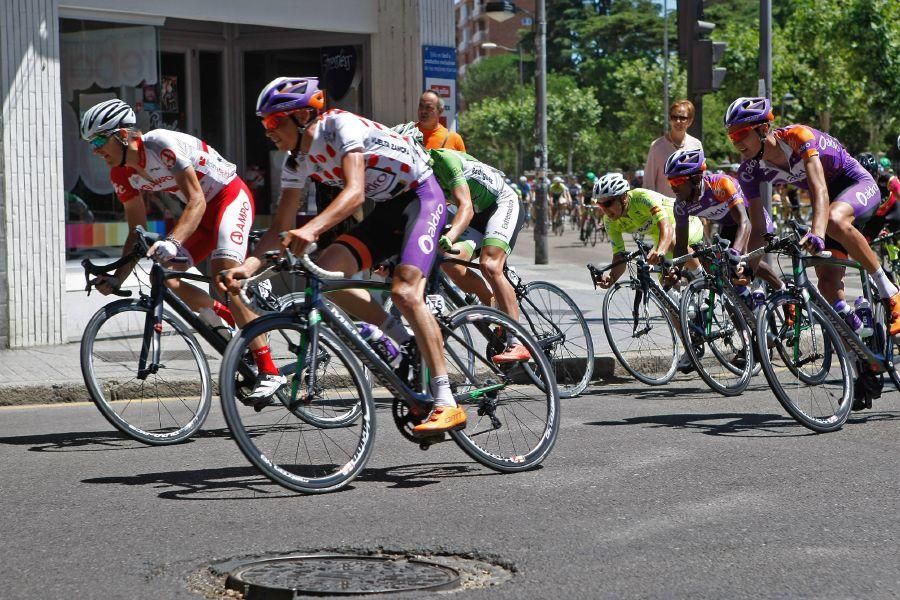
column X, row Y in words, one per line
column 98, row 141
column 606, row 202
column 738, row 134
column 680, row 180
column 275, row 120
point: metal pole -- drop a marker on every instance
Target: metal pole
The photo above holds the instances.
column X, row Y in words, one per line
column 665, row 66
column 765, row 77
column 541, row 254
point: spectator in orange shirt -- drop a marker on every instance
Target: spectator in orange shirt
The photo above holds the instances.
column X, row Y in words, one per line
column 431, row 106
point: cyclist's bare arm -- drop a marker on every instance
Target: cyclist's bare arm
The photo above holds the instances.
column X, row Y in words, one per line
column 818, row 195
column 464, row 213
column 614, row 273
column 344, row 205
column 682, row 233
column 742, row 236
column 190, row 219
column 666, row 239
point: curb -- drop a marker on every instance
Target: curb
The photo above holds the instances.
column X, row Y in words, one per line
column 606, row 367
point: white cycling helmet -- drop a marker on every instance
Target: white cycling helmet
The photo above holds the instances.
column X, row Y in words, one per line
column 524, row 179
column 611, row 184
column 410, row 130
column 105, row 118
column 557, row 179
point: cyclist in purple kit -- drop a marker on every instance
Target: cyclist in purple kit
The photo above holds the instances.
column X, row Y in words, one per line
column 843, row 194
column 718, row 198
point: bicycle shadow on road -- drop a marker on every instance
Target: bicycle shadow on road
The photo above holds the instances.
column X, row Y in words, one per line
column 735, row 425
column 422, row 474
column 226, row 483
column 91, row 441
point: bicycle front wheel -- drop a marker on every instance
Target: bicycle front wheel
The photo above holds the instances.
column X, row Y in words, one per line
column 717, row 338
column 809, row 370
column 303, row 440
column 561, row 331
column 512, row 422
column 166, row 406
column 640, row 333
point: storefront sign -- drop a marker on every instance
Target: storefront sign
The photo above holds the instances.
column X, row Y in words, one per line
column 340, row 71
column 439, row 66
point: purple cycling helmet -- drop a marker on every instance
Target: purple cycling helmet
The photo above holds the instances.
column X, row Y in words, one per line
column 286, row 94
column 685, row 162
column 749, row 111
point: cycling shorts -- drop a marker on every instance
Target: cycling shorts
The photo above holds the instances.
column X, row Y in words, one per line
column 409, row 225
column 498, row 226
column 224, row 229
column 859, row 190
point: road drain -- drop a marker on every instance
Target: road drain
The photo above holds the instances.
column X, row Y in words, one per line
column 353, row 573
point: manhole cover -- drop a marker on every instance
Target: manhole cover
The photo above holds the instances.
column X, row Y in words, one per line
column 337, row 575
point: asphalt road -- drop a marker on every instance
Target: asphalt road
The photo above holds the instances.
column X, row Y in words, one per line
column 649, row 493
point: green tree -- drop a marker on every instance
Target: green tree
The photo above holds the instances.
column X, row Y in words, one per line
column 489, row 77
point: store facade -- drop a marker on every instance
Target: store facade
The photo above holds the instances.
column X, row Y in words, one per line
column 191, row 65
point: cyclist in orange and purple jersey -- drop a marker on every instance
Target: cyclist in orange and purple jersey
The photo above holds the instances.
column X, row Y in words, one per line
column 843, row 194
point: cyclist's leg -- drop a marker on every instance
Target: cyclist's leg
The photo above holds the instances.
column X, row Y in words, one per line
column 467, row 279
column 500, row 233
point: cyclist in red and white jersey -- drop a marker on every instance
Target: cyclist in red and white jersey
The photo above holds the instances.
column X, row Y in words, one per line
column 366, row 160
column 216, row 221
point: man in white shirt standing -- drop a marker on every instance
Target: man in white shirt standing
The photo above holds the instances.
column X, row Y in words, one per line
column 681, row 116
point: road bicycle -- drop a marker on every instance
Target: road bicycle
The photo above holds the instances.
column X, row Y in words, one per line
column 810, row 369
column 717, row 320
column 143, row 367
column 641, row 320
column 512, row 421
column 590, row 230
column 550, row 314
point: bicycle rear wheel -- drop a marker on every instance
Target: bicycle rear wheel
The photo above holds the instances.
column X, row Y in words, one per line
column 282, row 438
column 167, row 406
column 809, row 371
column 512, row 422
column 561, row 331
column 595, row 232
column 640, row 333
column 717, row 338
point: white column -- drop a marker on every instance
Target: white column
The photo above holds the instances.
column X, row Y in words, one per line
column 32, row 213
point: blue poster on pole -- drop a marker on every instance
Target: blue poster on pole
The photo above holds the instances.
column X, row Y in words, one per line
column 439, row 70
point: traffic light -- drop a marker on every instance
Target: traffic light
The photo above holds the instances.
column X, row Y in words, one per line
column 700, row 52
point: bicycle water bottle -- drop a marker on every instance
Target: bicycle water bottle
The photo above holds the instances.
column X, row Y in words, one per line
column 383, row 346
column 851, row 319
column 863, row 310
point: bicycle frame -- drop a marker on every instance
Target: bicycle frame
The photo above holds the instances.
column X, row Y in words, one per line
column 316, row 310
column 811, row 295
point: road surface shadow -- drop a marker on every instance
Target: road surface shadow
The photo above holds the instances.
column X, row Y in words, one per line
column 736, row 425
column 227, row 483
column 420, row 475
column 92, row 441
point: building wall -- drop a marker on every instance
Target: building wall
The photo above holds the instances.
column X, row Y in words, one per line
column 404, row 26
column 474, row 27
column 32, row 256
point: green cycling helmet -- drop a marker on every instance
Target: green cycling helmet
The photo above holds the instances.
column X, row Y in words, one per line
column 590, row 176
column 885, row 162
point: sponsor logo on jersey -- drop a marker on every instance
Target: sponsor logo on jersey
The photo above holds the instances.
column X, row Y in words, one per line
column 237, row 236
column 864, row 196
column 378, row 181
column 396, row 146
column 827, row 142
column 168, row 157
column 426, row 240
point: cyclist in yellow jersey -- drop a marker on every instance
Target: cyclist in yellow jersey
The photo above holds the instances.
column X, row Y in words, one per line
column 627, row 210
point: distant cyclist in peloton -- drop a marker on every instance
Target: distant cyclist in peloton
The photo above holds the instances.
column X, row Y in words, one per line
column 719, row 199
column 216, row 220
column 844, row 196
column 559, row 199
column 366, row 160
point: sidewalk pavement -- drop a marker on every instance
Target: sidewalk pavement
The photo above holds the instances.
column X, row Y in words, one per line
column 49, row 374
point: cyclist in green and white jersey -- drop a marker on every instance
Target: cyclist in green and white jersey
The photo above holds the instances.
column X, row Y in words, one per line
column 627, row 210
column 488, row 219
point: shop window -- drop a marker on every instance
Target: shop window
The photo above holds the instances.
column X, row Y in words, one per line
column 100, row 61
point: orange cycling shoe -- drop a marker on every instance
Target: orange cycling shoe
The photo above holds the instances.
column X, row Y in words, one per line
column 516, row 353
column 442, row 418
column 894, row 306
